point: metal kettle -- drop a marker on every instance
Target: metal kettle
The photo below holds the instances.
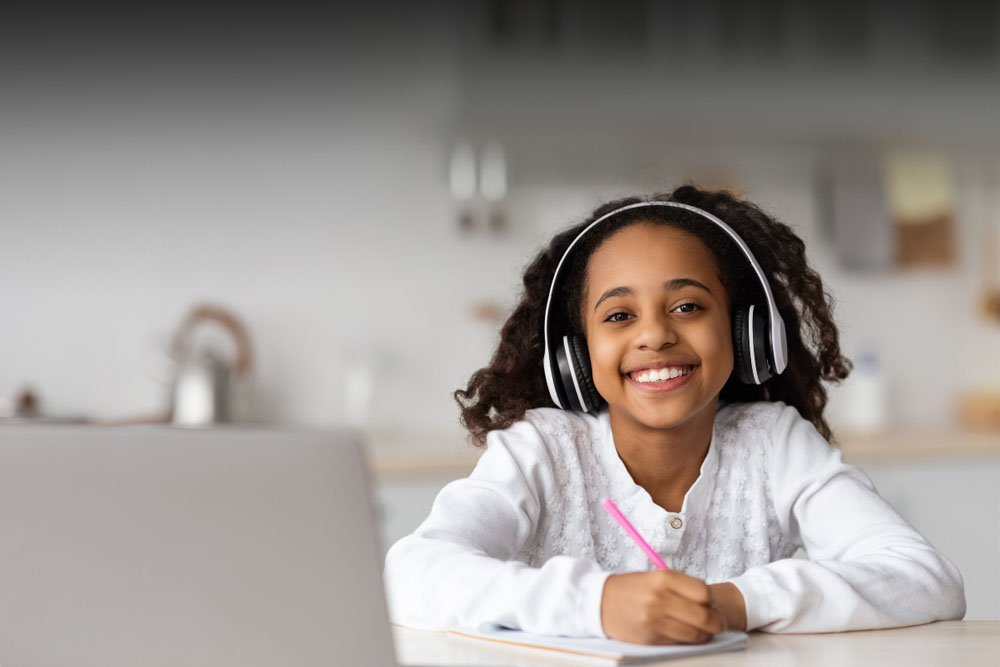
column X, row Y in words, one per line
column 209, row 388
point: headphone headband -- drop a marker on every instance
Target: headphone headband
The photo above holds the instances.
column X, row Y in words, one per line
column 777, row 342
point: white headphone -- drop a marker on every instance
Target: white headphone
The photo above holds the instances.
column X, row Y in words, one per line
column 759, row 346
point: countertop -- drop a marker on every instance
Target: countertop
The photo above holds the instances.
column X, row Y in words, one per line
column 416, row 454
column 965, row 643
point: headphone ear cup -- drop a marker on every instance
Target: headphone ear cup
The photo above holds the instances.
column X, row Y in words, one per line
column 584, row 373
column 563, row 379
column 750, row 346
column 741, row 346
column 760, row 345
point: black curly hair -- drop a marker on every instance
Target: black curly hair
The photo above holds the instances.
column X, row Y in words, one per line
column 514, row 382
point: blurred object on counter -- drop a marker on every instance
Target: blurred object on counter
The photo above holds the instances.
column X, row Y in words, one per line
column 990, row 304
column 980, row 409
column 861, row 403
column 25, row 407
column 920, row 195
column 210, row 387
column 989, row 300
column 365, row 365
column 26, row 404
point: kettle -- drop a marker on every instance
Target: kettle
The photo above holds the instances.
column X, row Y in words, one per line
column 208, row 388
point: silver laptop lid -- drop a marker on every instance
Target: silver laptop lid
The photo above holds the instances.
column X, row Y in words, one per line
column 160, row 546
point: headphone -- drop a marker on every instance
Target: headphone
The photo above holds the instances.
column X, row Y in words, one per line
column 759, row 346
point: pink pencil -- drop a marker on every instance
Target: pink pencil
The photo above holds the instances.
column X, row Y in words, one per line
column 633, row 533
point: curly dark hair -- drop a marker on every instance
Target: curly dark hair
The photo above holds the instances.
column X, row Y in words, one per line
column 514, row 382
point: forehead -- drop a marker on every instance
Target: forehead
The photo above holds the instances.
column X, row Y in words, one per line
column 649, row 254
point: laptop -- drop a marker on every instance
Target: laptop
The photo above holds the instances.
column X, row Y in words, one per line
column 160, row 546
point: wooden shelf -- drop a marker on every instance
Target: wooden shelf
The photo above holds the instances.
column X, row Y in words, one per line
column 914, row 445
column 417, row 454
column 402, row 455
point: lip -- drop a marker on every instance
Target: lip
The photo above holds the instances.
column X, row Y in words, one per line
column 665, row 385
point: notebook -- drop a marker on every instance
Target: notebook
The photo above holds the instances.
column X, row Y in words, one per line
column 598, row 649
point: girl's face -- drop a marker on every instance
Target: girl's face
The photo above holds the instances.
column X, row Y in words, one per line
column 656, row 319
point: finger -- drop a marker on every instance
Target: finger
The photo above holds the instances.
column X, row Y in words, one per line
column 671, row 631
column 703, row 617
column 687, row 586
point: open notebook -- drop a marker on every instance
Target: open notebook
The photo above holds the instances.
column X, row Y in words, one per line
column 595, row 648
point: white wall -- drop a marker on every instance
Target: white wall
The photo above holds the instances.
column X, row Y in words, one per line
column 330, row 230
column 317, row 208
column 325, row 225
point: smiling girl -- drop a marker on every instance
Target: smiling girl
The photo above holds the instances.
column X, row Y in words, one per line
column 669, row 354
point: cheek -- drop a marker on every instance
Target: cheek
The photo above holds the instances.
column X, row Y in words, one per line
column 722, row 348
column 604, row 360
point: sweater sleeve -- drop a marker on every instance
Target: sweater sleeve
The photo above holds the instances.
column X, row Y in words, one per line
column 867, row 568
column 458, row 567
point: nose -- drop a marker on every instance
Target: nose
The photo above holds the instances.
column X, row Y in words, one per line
column 655, row 332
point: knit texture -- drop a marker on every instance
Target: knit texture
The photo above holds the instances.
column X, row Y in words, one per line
column 728, row 522
column 524, row 540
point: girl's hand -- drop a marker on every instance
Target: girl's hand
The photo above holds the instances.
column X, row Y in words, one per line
column 660, row 607
column 728, row 599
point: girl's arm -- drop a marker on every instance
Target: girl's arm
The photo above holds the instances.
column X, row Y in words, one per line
column 456, row 568
column 867, row 567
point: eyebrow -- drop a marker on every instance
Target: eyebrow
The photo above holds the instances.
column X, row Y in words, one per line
column 669, row 286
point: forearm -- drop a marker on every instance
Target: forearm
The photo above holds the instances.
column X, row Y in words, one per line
column 867, row 567
column 432, row 583
column 726, row 597
column 879, row 591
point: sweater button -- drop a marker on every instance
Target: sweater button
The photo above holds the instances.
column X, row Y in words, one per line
column 676, row 522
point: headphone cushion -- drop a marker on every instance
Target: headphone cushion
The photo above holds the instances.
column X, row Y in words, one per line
column 743, row 355
column 584, row 375
column 741, row 346
column 563, row 379
column 760, row 347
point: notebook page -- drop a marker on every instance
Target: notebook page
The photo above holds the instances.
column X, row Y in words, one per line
column 600, row 648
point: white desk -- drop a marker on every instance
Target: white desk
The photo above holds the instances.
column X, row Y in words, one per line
column 959, row 643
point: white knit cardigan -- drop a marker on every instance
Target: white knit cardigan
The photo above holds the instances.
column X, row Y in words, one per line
column 524, row 541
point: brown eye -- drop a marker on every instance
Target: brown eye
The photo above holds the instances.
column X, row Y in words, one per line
column 688, row 307
column 617, row 317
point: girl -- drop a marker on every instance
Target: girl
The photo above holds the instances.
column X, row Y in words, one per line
column 685, row 339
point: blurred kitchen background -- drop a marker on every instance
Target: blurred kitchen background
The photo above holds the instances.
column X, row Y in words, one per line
column 278, row 217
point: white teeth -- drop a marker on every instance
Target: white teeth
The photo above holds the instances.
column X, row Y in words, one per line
column 662, row 374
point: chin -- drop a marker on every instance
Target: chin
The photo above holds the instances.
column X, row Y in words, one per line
column 668, row 414
column 664, row 422
column 665, row 418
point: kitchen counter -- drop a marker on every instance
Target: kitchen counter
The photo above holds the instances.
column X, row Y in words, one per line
column 417, row 454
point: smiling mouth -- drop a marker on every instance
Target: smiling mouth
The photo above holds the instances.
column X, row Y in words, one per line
column 660, row 375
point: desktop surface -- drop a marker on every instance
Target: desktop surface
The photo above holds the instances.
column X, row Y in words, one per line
column 963, row 643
